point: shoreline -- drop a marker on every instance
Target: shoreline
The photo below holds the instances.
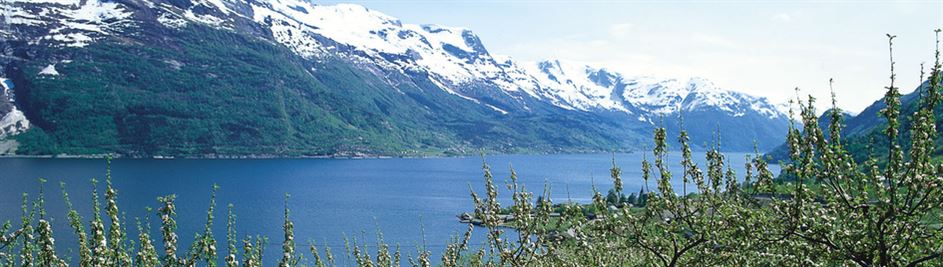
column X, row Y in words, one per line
column 339, row 156
column 252, row 157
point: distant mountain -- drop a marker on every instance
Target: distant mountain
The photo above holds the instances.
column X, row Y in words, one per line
column 701, row 107
column 291, row 78
column 866, row 128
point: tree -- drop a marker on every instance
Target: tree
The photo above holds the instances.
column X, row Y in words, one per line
column 868, row 214
column 642, row 198
column 631, row 199
column 613, row 198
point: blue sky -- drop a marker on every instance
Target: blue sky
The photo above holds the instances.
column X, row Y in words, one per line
column 764, row 48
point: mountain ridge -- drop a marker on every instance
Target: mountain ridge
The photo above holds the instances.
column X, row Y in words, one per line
column 392, row 56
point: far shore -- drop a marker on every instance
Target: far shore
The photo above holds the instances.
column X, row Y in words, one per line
column 335, row 156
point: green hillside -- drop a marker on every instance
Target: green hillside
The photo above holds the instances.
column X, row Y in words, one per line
column 866, row 129
column 208, row 92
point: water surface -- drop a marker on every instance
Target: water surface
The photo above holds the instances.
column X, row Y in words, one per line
column 330, row 198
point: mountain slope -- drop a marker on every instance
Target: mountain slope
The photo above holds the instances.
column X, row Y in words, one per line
column 865, row 129
column 290, row 78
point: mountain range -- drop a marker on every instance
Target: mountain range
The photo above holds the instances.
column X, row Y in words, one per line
column 208, row 78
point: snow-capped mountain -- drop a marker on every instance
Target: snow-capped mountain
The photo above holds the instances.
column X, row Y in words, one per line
column 587, row 88
column 401, row 55
column 455, row 56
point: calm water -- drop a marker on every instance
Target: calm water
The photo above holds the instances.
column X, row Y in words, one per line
column 330, row 198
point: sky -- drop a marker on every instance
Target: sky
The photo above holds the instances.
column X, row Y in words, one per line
column 764, row 48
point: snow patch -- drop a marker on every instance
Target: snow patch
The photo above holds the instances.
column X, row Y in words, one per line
column 49, row 70
column 450, row 91
column 66, row 23
column 503, row 112
column 60, row 2
column 447, row 35
column 6, row 84
column 13, row 123
column 75, row 39
column 203, row 18
column 171, row 21
column 219, row 5
column 96, row 12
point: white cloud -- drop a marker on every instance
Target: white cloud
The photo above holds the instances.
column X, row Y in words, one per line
column 714, row 40
column 620, row 30
column 781, row 17
column 598, row 43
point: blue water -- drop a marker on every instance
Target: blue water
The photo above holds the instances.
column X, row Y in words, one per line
column 330, row 198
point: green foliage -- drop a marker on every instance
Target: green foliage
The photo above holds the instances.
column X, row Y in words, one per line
column 204, row 244
column 231, row 238
column 168, row 230
column 147, row 254
column 119, row 255
column 47, row 243
column 289, row 258
column 253, row 251
column 75, row 221
column 36, row 141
